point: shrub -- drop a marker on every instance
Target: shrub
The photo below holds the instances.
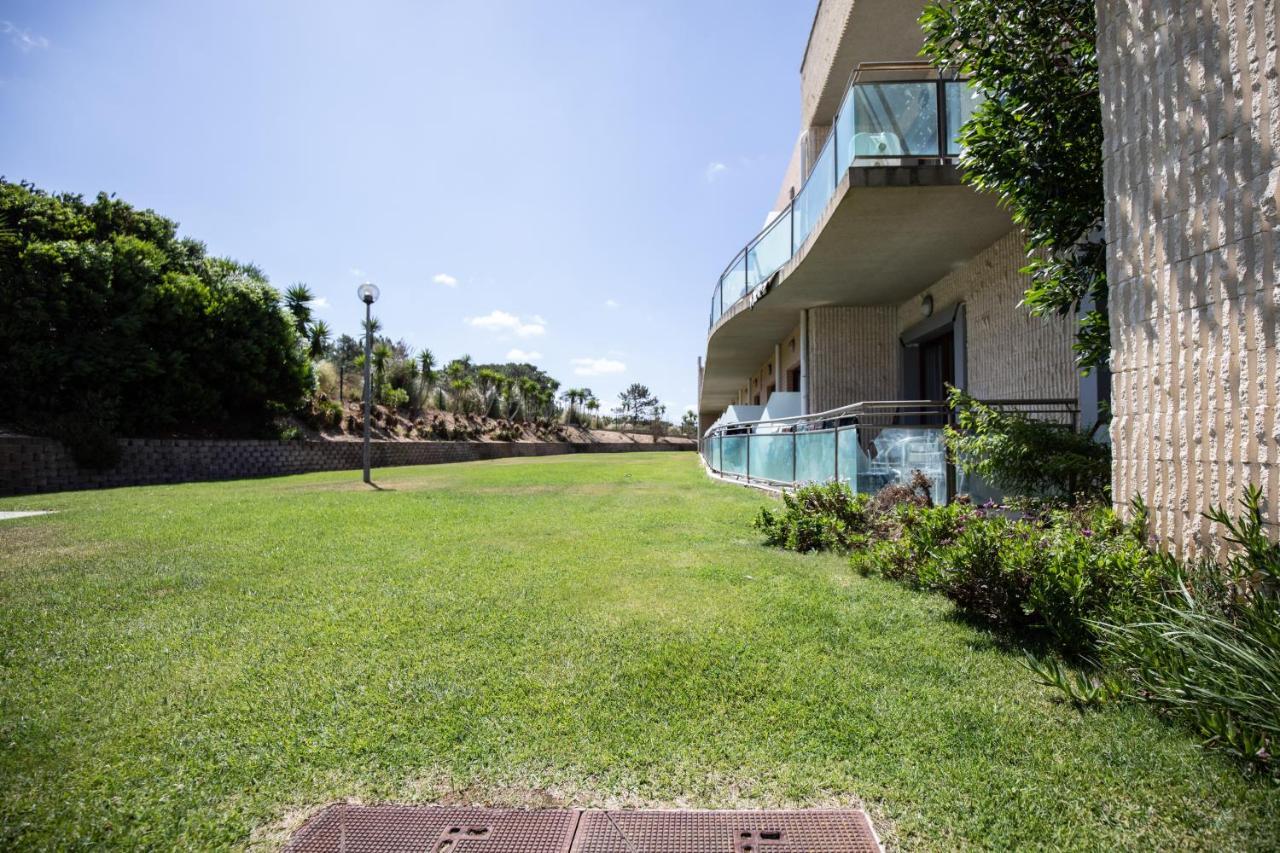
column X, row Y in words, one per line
column 1209, row 649
column 1050, row 575
column 818, row 517
column 393, row 398
column 1024, row 456
column 328, row 413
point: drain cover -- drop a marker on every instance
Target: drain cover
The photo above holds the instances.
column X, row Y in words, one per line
column 811, row 831
column 430, row 829
column 435, row 829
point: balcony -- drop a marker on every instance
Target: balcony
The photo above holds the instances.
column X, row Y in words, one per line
column 881, row 123
column 868, row 445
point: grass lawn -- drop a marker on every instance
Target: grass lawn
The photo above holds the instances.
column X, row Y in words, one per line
column 196, row 665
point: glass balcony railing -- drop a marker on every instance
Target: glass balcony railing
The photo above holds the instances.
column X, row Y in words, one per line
column 878, row 121
column 867, row 445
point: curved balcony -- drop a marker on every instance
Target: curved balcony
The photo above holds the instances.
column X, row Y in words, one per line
column 894, row 122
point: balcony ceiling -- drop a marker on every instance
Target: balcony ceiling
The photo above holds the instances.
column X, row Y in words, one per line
column 887, row 235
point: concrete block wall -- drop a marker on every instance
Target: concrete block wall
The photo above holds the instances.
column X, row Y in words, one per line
column 1191, row 113
column 36, row 465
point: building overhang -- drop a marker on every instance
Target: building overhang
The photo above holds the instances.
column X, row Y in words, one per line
column 887, row 234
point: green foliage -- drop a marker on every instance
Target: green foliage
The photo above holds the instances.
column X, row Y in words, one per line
column 1209, row 651
column 1083, row 688
column 1036, row 143
column 392, row 397
column 818, row 517
column 1048, row 576
column 1028, row 457
column 115, row 326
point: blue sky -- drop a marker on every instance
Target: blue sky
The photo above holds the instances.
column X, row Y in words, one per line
column 561, row 177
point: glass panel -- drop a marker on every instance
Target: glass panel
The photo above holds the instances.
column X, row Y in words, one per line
column 733, row 454
column 815, row 456
column 734, row 282
column 962, row 100
column 770, row 251
column 815, row 194
column 844, row 134
column 711, row 451
column 895, row 120
column 772, row 457
column 849, row 456
column 893, row 453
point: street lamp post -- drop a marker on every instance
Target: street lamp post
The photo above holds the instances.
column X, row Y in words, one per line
column 368, row 293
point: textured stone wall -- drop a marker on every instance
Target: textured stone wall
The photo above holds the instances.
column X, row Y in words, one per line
column 33, row 465
column 1191, row 111
column 853, row 356
column 1011, row 355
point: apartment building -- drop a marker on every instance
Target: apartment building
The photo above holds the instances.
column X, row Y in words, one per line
column 878, row 279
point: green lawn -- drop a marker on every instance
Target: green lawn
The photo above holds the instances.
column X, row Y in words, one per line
column 196, row 665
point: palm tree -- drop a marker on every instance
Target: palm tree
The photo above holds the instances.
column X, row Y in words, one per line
column 428, row 362
column 593, row 405
column 297, row 300
column 381, row 356
column 371, row 326
column 319, row 337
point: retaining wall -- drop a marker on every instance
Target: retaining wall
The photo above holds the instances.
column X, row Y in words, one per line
column 34, row 465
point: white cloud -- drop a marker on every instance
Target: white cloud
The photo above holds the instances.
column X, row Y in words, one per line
column 356, row 272
column 611, row 303
column 320, row 302
column 596, row 366
column 501, row 321
column 714, row 171
column 521, row 355
column 445, row 279
column 22, row 38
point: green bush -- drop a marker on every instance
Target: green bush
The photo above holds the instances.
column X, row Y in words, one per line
column 1209, row 649
column 393, row 398
column 1027, row 457
column 825, row 517
column 1049, row 575
column 113, row 325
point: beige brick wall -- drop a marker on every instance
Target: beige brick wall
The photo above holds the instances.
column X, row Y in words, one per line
column 1191, row 111
column 1011, row 355
column 855, row 352
column 853, row 356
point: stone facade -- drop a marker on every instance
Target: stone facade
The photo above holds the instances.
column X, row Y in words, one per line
column 1191, row 112
column 35, row 465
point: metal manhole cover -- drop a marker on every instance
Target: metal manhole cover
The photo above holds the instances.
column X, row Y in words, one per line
column 440, row 829
column 807, row 831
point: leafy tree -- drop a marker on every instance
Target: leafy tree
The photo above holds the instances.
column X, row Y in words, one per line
column 633, row 402
column 1036, row 142
column 113, row 325
column 346, row 352
column 689, row 424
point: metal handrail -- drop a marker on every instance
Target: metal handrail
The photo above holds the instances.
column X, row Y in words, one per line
column 909, row 408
